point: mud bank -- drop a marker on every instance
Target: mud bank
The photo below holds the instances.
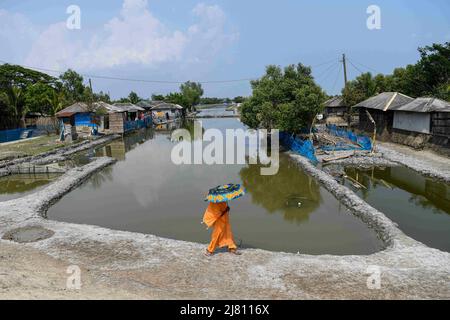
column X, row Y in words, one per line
column 118, row 264
column 439, row 171
column 361, row 160
column 57, row 154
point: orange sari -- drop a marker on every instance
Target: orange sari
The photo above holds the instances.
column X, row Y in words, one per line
column 221, row 235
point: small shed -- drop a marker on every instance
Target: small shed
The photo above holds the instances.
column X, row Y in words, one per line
column 165, row 111
column 422, row 122
column 335, row 111
column 76, row 115
column 335, row 107
column 133, row 112
column 380, row 108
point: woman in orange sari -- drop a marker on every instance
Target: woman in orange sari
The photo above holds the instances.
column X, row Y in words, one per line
column 217, row 215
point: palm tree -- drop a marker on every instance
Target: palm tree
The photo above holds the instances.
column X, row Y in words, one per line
column 14, row 98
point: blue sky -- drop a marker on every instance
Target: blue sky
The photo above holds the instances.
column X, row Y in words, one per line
column 178, row 40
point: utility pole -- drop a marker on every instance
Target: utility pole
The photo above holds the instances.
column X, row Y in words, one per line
column 90, row 86
column 345, row 69
column 91, row 95
column 349, row 108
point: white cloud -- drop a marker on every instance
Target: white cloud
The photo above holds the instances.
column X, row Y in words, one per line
column 135, row 36
column 209, row 35
column 16, row 34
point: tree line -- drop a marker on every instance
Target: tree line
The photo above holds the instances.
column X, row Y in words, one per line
column 428, row 77
column 23, row 90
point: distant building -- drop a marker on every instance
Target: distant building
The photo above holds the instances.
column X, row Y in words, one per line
column 335, row 111
column 102, row 117
column 335, row 107
column 380, row 108
column 164, row 111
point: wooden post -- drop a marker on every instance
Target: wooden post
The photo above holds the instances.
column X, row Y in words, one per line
column 374, row 130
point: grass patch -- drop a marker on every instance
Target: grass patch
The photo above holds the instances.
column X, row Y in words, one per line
column 30, row 147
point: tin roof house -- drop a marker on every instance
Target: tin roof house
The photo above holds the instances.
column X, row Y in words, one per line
column 165, row 111
column 335, row 111
column 102, row 117
column 422, row 122
column 380, row 109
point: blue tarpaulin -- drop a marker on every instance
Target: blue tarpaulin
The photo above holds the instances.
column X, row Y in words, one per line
column 15, row 134
column 302, row 147
column 362, row 142
column 84, row 119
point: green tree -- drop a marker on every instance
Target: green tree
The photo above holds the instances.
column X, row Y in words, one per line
column 101, row 96
column 238, row 99
column 73, row 87
column 285, row 99
column 133, row 97
column 38, row 96
column 14, row 83
column 177, row 98
column 15, row 99
column 191, row 91
column 434, row 70
column 158, row 97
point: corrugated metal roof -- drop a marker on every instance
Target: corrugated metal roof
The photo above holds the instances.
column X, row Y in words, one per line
column 127, row 106
column 82, row 107
column 384, row 101
column 160, row 105
column 144, row 104
column 424, row 105
column 334, row 102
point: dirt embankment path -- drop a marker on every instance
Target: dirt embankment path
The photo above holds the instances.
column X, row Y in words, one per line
column 423, row 161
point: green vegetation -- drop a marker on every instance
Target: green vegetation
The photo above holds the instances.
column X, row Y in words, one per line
column 286, row 99
column 24, row 90
column 430, row 76
column 189, row 95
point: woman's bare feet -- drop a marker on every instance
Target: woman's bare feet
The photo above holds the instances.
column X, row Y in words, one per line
column 234, row 251
column 207, row 253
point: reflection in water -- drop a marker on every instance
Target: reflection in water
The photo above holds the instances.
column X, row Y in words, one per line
column 101, row 177
column 18, row 185
column 418, row 204
column 146, row 192
column 271, row 191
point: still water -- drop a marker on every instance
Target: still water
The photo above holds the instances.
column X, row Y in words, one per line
column 419, row 205
column 219, row 111
column 19, row 185
column 145, row 192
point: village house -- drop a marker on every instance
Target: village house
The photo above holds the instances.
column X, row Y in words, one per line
column 380, row 109
column 165, row 112
column 335, row 111
column 422, row 122
column 101, row 117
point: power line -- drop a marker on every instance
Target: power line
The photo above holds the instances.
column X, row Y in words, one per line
column 322, row 64
column 150, row 81
column 355, row 66
column 132, row 79
column 367, row 67
column 326, row 70
column 337, row 77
